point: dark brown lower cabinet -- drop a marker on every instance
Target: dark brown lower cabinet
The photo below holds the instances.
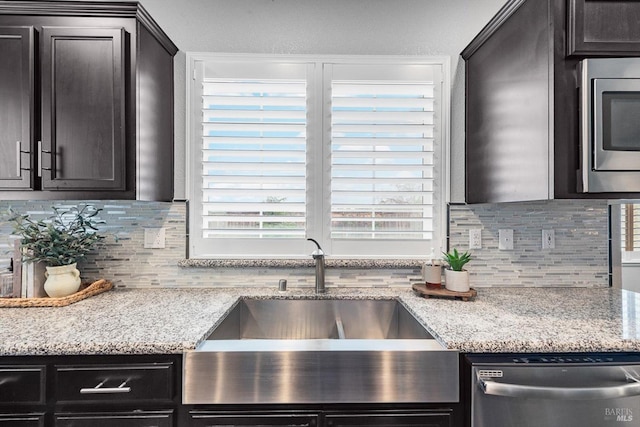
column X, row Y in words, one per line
column 22, row 395
column 207, row 419
column 22, row 420
column 90, row 391
column 111, row 419
column 432, row 418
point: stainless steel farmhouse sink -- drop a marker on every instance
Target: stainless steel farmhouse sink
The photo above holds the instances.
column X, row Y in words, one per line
column 318, row 319
column 319, row 351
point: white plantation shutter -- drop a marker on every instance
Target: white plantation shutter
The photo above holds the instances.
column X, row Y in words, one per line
column 384, row 157
column 382, row 160
column 254, row 158
column 348, row 153
column 635, row 232
column 631, row 228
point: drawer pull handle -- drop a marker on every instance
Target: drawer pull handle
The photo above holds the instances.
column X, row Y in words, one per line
column 106, row 390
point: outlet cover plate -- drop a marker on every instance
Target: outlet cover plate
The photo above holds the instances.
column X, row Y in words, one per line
column 154, row 238
column 475, row 238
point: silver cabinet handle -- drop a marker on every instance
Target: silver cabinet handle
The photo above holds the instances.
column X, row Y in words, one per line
column 106, row 390
column 19, row 154
column 39, row 158
column 493, row 388
column 40, row 151
column 18, row 159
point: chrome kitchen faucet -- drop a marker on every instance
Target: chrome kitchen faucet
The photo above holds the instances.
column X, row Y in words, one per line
column 318, row 256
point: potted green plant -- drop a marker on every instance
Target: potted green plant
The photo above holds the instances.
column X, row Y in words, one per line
column 59, row 242
column 455, row 276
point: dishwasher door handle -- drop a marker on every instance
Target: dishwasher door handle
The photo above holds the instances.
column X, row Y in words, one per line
column 493, row 388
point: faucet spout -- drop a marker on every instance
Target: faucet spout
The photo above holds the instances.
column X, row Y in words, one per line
column 318, row 256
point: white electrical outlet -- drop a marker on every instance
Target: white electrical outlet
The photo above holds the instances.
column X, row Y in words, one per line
column 475, row 238
column 154, row 238
column 505, row 239
column 548, row 239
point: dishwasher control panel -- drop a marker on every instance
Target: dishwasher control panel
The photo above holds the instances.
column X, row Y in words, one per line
column 563, row 359
column 555, row 358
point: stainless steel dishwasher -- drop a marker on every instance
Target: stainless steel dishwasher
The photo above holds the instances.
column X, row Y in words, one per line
column 556, row 390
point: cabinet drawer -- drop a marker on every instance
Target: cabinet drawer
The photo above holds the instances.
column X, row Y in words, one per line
column 390, row 420
column 135, row 382
column 22, row 420
column 22, row 384
column 116, row 419
column 214, row 419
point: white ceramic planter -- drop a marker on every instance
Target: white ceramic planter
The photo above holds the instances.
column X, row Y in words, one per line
column 62, row 281
column 457, row 281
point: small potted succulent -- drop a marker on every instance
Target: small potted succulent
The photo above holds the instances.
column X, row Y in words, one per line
column 455, row 276
column 59, row 242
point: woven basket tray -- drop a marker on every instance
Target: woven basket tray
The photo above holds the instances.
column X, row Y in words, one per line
column 94, row 288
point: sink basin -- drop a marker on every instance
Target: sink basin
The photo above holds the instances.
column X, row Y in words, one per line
column 319, row 319
column 319, row 351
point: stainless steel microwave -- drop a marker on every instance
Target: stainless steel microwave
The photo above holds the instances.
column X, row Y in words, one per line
column 610, row 125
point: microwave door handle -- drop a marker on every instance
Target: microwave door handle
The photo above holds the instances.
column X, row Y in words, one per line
column 493, row 388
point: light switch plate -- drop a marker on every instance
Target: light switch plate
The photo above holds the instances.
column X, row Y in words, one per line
column 505, row 239
column 154, row 238
column 548, row 239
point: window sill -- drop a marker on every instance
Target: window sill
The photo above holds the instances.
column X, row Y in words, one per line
column 301, row 263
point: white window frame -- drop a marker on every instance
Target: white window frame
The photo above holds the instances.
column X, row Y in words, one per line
column 632, row 256
column 268, row 249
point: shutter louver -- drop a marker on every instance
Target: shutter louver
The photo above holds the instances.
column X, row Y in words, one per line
column 382, row 160
column 253, row 158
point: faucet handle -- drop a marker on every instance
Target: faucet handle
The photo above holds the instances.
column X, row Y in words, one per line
column 318, row 252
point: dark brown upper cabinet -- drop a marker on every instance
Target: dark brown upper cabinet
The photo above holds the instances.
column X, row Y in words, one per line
column 522, row 115
column 604, row 28
column 83, row 93
column 16, row 107
column 87, row 98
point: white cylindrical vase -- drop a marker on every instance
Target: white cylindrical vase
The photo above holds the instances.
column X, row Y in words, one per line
column 432, row 273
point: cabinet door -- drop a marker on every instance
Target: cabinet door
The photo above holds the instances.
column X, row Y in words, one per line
column 22, row 385
column 120, row 419
column 607, row 28
column 507, row 137
column 83, row 108
column 210, row 419
column 16, row 106
column 436, row 419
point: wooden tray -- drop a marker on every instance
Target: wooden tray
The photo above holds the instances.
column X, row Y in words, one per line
column 86, row 291
column 429, row 291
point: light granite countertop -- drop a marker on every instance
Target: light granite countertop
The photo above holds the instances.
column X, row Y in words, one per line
column 163, row 321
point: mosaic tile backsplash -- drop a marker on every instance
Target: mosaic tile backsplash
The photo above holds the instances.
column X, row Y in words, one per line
column 580, row 256
column 579, row 259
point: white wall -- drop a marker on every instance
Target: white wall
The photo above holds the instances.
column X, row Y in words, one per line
column 631, row 277
column 339, row 27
